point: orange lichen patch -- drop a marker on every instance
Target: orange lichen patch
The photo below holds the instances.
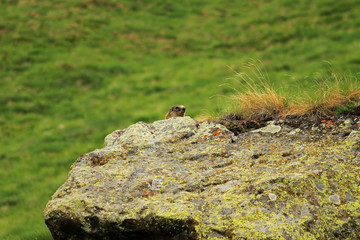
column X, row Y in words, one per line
column 329, row 124
column 223, row 137
column 217, row 132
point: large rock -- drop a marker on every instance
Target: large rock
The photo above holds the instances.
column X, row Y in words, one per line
column 180, row 179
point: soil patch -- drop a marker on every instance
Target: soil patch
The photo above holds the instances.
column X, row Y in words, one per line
column 335, row 124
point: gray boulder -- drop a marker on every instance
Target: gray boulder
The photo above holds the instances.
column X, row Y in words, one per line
column 181, row 179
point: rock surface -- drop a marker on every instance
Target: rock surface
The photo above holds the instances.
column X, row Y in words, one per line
column 181, row 179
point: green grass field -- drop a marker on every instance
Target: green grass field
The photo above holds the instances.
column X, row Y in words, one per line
column 71, row 72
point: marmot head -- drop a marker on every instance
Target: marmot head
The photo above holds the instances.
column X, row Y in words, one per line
column 176, row 111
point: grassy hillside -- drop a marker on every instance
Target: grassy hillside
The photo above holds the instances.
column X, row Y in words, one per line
column 73, row 71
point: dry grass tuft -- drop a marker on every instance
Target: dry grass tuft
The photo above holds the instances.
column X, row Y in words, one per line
column 260, row 104
column 331, row 94
column 258, row 100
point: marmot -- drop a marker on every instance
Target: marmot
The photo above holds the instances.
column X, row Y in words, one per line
column 176, row 111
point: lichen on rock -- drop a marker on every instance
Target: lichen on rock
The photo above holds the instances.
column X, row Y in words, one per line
column 183, row 179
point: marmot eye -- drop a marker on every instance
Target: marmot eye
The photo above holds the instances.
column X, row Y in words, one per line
column 177, row 108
